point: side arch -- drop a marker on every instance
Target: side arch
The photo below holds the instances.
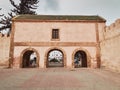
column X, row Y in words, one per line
column 54, row 48
column 87, row 55
column 29, row 49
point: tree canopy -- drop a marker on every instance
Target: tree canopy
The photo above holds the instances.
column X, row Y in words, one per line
column 1, row 14
column 24, row 7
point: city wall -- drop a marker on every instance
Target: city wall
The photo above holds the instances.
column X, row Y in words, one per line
column 109, row 43
column 110, row 47
column 4, row 50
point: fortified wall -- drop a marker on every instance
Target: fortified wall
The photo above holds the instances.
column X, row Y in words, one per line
column 4, row 50
column 110, row 47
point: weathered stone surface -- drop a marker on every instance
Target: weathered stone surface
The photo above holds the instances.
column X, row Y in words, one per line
column 73, row 36
column 4, row 50
column 110, row 47
column 109, row 38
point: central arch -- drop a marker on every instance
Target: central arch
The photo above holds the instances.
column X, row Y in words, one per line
column 55, row 57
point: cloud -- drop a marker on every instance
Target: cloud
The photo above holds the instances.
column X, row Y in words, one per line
column 77, row 7
column 51, row 5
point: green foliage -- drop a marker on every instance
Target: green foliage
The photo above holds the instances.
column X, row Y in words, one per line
column 1, row 14
column 24, row 7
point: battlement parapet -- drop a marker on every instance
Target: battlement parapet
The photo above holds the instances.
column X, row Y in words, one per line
column 117, row 21
column 4, row 35
column 113, row 30
column 113, row 26
column 109, row 44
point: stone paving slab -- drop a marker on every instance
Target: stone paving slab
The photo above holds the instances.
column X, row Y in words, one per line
column 58, row 79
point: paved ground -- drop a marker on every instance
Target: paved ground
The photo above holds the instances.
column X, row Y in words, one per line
column 58, row 79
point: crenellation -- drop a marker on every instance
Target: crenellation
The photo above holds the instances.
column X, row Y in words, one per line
column 110, row 47
column 117, row 21
column 113, row 30
column 4, row 36
column 107, row 28
column 113, row 26
column 0, row 35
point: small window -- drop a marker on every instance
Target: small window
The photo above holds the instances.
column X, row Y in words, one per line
column 55, row 33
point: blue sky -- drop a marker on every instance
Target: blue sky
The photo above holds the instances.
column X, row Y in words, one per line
column 108, row 9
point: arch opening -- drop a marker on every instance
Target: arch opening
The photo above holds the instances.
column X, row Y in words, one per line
column 29, row 59
column 55, row 58
column 80, row 59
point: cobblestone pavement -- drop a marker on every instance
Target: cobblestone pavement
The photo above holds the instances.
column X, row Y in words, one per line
column 58, row 79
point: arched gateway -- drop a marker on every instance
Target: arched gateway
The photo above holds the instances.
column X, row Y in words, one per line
column 81, row 58
column 51, row 34
column 55, row 58
column 29, row 58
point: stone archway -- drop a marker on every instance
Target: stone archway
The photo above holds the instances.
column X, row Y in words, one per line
column 29, row 58
column 57, row 60
column 82, row 57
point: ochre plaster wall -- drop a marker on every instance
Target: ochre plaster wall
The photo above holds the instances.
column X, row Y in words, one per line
column 43, row 51
column 69, row 32
column 110, row 47
column 4, row 50
column 73, row 36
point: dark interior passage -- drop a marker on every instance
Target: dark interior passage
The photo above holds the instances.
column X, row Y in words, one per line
column 29, row 59
column 80, row 59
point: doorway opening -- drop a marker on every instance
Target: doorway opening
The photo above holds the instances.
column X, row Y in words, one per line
column 29, row 59
column 55, row 58
column 80, row 59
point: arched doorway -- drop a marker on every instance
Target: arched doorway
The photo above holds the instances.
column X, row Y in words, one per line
column 29, row 59
column 80, row 59
column 55, row 58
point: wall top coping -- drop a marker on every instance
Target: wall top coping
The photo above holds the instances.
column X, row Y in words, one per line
column 3, row 36
column 59, row 18
column 113, row 25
